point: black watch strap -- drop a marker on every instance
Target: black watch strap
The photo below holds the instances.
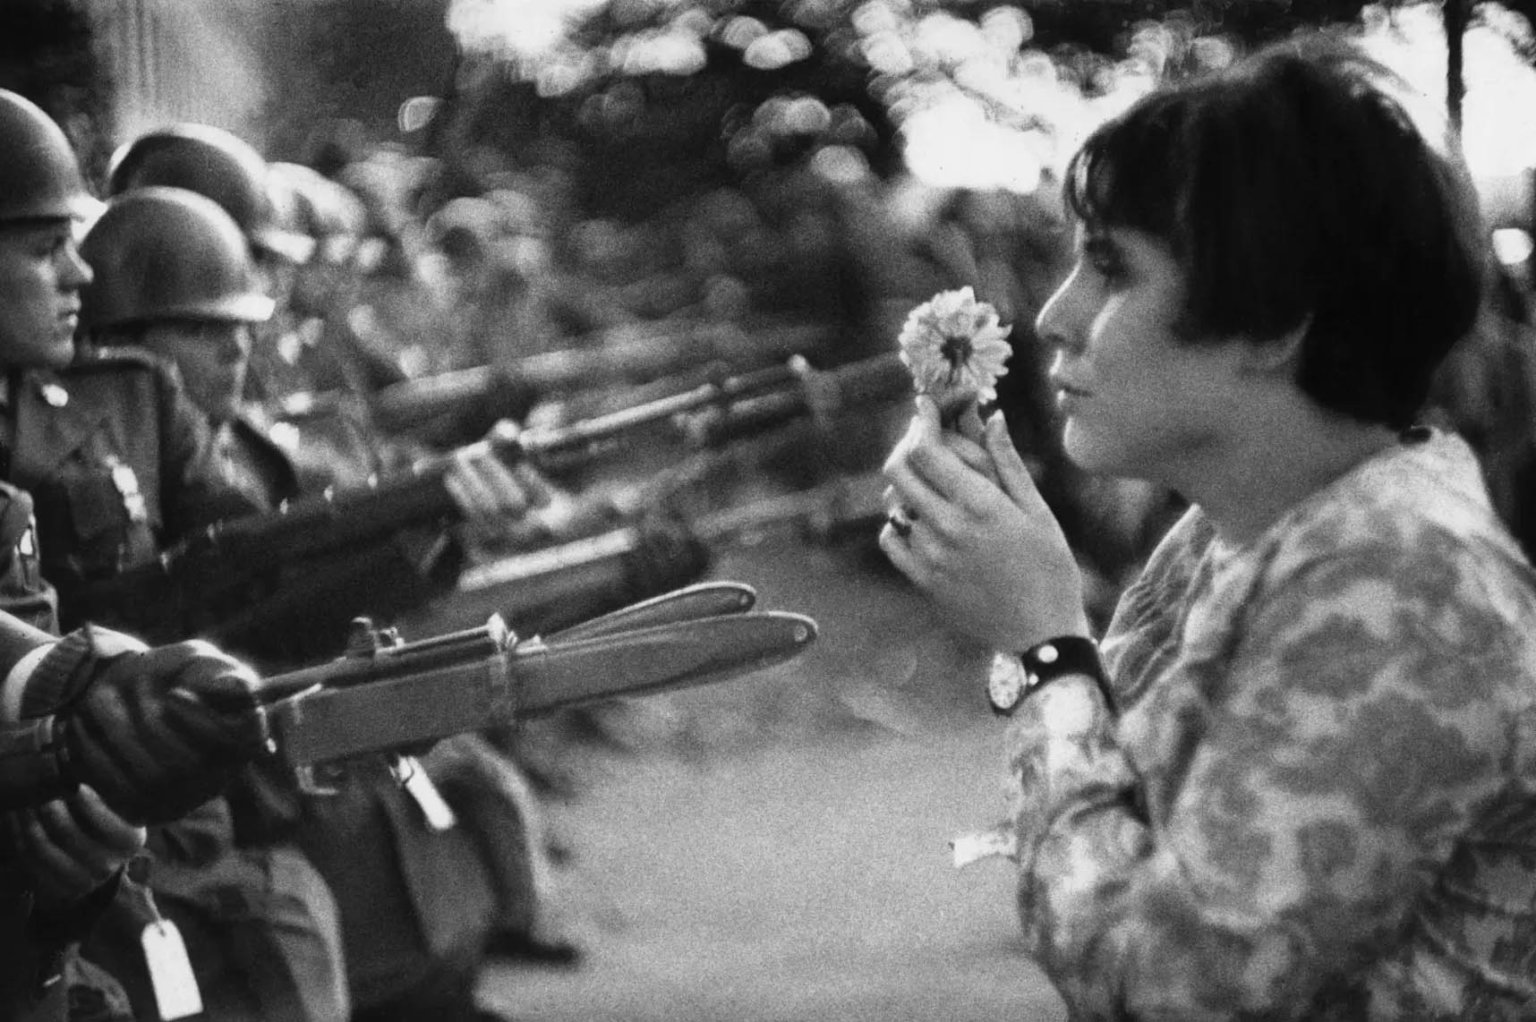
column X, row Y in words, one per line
column 1015, row 676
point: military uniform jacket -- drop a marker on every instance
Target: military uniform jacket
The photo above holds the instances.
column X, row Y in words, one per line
column 119, row 464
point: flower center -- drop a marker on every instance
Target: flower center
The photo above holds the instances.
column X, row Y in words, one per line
column 956, row 350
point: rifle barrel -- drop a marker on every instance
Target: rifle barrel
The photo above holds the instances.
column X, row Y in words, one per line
column 338, row 518
column 641, row 352
column 399, row 406
column 561, row 443
column 819, row 393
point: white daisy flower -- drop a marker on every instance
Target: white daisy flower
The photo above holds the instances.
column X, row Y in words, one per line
column 956, row 348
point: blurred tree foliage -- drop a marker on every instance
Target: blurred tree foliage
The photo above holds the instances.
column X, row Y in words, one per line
column 651, row 100
column 48, row 53
column 349, row 62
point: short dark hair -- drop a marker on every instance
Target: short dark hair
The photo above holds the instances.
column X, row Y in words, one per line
column 1294, row 189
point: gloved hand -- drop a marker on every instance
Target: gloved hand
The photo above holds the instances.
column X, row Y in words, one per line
column 504, row 504
column 70, row 847
column 157, row 732
column 668, row 555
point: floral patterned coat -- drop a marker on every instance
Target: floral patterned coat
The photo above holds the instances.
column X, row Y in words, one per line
column 1316, row 798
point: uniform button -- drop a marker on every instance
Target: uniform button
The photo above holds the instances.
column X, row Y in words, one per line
column 54, row 396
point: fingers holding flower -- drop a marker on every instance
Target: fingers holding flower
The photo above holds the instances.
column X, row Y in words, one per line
column 956, row 350
column 965, row 522
column 982, row 545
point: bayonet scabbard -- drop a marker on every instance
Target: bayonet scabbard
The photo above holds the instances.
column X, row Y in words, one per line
column 409, row 700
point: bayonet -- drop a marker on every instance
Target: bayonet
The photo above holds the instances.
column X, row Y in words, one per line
column 705, row 599
column 398, row 696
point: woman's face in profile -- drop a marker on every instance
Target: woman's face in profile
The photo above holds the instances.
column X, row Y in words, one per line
column 1135, row 398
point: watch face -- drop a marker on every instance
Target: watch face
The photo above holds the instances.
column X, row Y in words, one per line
column 1006, row 683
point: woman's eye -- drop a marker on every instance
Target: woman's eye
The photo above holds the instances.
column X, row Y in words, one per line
column 1112, row 270
column 1105, row 259
column 1108, row 265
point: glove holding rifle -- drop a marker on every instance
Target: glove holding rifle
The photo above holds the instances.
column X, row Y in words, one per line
column 506, row 504
column 155, row 732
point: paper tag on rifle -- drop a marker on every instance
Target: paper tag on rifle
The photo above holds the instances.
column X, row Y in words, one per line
column 1001, row 841
column 170, row 971
column 413, row 777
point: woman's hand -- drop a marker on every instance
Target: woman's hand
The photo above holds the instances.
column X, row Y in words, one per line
column 69, row 847
column 979, row 539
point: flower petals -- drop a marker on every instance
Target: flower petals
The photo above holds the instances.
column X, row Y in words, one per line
column 955, row 347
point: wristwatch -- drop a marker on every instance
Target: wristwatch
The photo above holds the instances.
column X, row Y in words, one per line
column 1015, row 675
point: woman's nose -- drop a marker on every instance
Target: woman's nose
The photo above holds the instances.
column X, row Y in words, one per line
column 1058, row 325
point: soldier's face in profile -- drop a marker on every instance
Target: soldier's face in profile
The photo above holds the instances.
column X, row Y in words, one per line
column 41, row 275
column 212, row 357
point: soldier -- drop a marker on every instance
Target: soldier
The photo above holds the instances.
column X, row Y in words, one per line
column 228, row 170
column 418, row 891
column 172, row 278
column 92, row 745
column 323, row 352
column 118, row 463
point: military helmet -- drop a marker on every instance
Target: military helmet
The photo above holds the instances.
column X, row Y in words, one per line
column 215, row 163
column 320, row 208
column 168, row 253
column 40, row 175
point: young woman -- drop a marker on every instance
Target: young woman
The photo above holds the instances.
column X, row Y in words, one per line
column 1294, row 778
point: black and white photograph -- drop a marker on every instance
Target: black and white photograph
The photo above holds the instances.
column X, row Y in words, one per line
column 767, row 511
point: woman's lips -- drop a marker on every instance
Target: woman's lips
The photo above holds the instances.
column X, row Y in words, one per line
column 1068, row 396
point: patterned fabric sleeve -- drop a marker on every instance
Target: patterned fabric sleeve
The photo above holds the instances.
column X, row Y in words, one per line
column 1316, row 779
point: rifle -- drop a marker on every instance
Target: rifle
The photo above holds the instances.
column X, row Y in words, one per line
column 626, row 354
column 553, row 587
column 210, row 575
column 799, row 391
column 386, row 695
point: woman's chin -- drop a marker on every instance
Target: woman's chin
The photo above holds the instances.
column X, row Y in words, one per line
column 1089, row 452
